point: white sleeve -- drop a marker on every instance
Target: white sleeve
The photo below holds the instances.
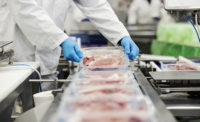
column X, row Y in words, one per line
column 132, row 13
column 156, row 8
column 103, row 18
column 35, row 23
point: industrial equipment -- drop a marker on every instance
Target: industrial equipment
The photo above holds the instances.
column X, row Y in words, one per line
column 182, row 5
column 5, row 54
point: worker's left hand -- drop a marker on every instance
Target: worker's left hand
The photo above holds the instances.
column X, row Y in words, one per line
column 130, row 48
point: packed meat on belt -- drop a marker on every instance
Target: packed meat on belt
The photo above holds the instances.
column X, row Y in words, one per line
column 103, row 82
column 122, row 117
column 103, row 60
column 102, row 103
column 106, row 90
column 180, row 67
column 112, row 119
column 105, row 75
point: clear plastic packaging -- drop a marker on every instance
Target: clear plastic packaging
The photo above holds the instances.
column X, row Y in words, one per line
column 99, row 82
column 104, row 74
column 119, row 116
column 178, row 67
column 92, row 106
column 111, row 94
column 87, row 77
column 105, row 103
column 104, row 58
column 107, row 90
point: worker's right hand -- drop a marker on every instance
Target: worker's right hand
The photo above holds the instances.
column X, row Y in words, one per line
column 71, row 50
column 130, row 48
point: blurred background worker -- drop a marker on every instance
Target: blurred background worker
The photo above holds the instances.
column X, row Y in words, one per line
column 144, row 11
column 37, row 28
column 121, row 8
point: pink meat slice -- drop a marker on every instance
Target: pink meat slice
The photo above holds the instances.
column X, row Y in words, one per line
column 106, row 75
column 103, row 60
column 111, row 119
column 102, row 82
column 101, row 105
column 106, row 91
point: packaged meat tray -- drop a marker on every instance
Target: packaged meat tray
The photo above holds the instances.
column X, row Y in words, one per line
column 104, row 58
column 104, row 74
column 117, row 117
column 105, row 103
column 178, row 67
column 120, row 116
column 107, row 90
column 99, row 82
column 87, row 77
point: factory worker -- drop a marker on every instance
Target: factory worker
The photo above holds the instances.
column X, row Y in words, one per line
column 37, row 29
column 144, row 11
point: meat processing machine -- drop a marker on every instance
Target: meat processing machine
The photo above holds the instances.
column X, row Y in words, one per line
column 88, row 91
column 180, row 8
column 175, row 82
column 171, row 84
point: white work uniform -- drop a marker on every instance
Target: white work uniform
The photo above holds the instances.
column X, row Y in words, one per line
column 36, row 27
column 143, row 12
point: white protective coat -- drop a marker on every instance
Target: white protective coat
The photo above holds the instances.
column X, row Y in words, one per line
column 141, row 12
column 36, row 27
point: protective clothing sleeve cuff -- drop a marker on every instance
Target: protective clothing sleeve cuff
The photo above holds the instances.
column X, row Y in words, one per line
column 117, row 42
column 59, row 41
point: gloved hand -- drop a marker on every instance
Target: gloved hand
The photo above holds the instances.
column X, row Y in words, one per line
column 130, row 48
column 71, row 50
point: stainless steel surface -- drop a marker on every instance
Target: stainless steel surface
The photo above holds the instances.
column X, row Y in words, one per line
column 182, row 5
column 176, row 75
column 182, row 104
column 25, row 91
column 143, row 31
column 50, row 80
column 182, row 110
column 145, row 57
column 142, row 27
column 164, row 114
column 151, row 34
column 181, row 89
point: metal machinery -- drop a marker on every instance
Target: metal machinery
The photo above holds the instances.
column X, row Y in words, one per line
column 5, row 54
column 143, row 35
column 175, row 94
column 164, row 115
column 179, row 90
column 180, row 7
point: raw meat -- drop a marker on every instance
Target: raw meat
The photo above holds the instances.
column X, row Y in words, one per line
column 105, row 75
column 181, row 67
column 114, row 117
column 103, row 60
column 106, row 90
column 103, row 82
column 111, row 119
column 102, row 104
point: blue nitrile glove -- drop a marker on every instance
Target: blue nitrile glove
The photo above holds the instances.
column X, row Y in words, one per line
column 130, row 48
column 71, row 50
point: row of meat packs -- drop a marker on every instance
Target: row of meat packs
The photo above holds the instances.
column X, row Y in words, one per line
column 104, row 90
